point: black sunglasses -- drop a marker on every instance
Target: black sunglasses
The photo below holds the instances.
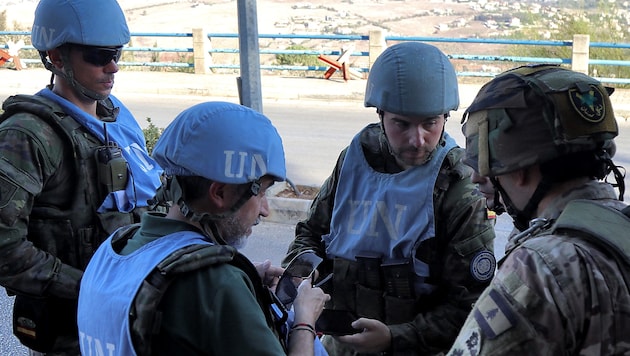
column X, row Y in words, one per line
column 99, row 56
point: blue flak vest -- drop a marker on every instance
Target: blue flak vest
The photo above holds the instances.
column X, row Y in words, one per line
column 109, row 286
column 144, row 172
column 385, row 214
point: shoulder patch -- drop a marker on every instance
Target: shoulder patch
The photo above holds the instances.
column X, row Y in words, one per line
column 494, row 315
column 483, row 265
column 468, row 343
column 7, row 191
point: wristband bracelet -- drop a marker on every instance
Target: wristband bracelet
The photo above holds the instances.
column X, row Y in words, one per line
column 309, row 326
column 304, row 329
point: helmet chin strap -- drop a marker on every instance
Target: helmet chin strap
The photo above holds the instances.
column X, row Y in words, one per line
column 68, row 74
column 522, row 217
column 206, row 220
column 498, row 208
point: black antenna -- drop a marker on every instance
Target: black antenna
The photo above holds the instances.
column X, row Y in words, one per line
column 105, row 134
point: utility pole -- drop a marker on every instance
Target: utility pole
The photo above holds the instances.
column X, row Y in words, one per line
column 249, row 82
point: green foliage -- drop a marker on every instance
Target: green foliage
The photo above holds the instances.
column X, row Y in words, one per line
column 151, row 134
column 297, row 59
column 601, row 26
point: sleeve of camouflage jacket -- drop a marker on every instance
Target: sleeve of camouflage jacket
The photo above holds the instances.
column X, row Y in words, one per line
column 550, row 296
column 463, row 229
column 31, row 153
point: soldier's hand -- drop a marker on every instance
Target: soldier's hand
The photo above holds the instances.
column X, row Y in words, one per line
column 374, row 338
column 269, row 274
column 309, row 303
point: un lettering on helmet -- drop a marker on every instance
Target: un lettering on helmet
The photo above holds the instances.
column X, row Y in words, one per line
column 533, row 114
column 223, row 142
column 235, row 167
column 86, row 22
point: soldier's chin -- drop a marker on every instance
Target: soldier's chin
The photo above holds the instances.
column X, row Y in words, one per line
column 414, row 160
column 239, row 242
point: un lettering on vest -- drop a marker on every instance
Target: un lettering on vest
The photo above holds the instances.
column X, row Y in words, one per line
column 138, row 152
column 42, row 34
column 369, row 218
column 91, row 346
column 256, row 163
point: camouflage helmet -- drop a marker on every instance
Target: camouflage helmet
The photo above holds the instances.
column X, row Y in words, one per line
column 412, row 79
column 533, row 114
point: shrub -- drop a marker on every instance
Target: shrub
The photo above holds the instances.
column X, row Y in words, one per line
column 151, row 135
column 297, row 59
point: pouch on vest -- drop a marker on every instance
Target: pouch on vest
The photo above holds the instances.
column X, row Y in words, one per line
column 39, row 321
column 112, row 168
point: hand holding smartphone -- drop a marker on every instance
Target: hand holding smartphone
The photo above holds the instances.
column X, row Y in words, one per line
column 336, row 322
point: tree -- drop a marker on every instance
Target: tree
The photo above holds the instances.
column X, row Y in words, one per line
column 601, row 26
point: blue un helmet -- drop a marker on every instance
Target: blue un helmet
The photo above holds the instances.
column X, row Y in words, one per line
column 222, row 142
column 99, row 23
column 412, row 79
column 85, row 22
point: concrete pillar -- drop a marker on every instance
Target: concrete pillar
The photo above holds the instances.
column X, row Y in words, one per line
column 579, row 59
column 377, row 45
column 201, row 46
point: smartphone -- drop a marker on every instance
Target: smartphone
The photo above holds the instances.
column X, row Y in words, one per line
column 336, row 322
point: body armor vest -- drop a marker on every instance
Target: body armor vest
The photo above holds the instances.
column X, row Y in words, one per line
column 72, row 233
column 145, row 315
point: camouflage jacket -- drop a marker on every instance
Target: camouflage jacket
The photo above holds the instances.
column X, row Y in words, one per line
column 462, row 230
column 48, row 199
column 554, row 294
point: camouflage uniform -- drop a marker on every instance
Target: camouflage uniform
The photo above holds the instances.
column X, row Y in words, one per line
column 462, row 230
column 561, row 289
column 552, row 295
column 46, row 242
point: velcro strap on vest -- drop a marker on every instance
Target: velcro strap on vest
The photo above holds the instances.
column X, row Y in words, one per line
column 194, row 257
column 606, row 225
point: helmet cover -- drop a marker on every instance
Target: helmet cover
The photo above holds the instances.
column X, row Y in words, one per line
column 412, row 79
column 533, row 114
column 223, row 142
column 86, row 22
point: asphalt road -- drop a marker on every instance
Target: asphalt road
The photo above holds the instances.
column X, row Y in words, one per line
column 313, row 133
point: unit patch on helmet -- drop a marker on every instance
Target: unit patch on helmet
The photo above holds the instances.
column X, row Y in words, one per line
column 589, row 104
column 482, row 266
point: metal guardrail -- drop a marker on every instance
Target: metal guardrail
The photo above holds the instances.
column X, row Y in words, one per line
column 364, row 39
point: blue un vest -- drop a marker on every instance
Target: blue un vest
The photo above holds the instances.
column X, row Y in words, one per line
column 144, row 172
column 112, row 281
column 382, row 213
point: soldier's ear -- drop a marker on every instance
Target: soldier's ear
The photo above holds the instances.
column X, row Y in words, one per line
column 218, row 195
column 55, row 58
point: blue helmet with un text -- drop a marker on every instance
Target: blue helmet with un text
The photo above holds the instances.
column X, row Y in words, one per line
column 223, row 142
column 85, row 22
column 412, row 79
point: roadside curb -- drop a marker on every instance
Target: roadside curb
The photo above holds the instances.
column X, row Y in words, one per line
column 285, row 210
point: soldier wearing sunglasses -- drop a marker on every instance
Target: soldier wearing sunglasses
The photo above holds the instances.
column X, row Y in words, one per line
column 74, row 169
